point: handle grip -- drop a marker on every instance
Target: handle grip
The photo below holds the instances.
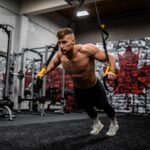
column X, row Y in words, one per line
column 41, row 72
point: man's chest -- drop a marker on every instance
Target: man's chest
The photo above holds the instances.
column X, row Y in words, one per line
column 76, row 65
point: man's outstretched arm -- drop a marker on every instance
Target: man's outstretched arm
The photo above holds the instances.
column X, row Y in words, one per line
column 52, row 65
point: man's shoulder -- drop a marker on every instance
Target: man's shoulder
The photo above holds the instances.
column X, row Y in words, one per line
column 84, row 45
column 87, row 47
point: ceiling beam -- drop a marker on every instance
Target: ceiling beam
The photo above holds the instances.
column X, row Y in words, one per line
column 35, row 7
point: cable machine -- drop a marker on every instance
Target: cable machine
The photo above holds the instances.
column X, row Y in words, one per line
column 40, row 87
column 21, row 89
column 6, row 103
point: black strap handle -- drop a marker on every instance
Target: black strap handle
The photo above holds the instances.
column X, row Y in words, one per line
column 105, row 35
column 39, row 79
column 105, row 80
column 56, row 47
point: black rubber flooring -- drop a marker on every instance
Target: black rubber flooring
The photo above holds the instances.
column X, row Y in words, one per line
column 133, row 134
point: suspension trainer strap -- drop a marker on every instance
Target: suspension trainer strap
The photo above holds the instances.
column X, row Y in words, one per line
column 56, row 47
column 105, row 35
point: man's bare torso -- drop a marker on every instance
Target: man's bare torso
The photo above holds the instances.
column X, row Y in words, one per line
column 81, row 68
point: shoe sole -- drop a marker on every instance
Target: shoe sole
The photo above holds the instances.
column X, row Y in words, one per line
column 110, row 135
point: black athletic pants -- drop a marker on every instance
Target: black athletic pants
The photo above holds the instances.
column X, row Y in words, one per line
column 92, row 97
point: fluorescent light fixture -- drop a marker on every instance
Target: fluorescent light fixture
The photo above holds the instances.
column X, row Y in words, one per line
column 82, row 13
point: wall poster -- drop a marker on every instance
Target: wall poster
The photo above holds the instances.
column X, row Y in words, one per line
column 133, row 72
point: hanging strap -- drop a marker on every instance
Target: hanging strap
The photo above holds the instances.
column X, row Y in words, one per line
column 105, row 35
column 39, row 80
column 56, row 47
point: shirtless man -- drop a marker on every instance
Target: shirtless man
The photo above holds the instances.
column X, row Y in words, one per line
column 79, row 61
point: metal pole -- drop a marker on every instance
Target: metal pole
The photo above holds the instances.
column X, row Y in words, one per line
column 32, row 81
column 6, row 90
column 63, row 91
column 20, row 81
column 44, row 82
column 36, row 48
column 63, row 83
column 44, row 51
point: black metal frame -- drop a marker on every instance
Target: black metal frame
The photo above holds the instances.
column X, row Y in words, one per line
column 6, row 103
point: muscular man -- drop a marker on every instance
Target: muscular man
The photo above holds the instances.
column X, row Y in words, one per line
column 79, row 61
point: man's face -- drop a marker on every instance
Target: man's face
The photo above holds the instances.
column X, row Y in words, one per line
column 66, row 43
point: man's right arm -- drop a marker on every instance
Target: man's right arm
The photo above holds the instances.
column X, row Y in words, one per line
column 53, row 64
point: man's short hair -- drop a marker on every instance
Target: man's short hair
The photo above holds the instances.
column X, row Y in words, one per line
column 64, row 31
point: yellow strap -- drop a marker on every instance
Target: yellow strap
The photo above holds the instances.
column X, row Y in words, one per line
column 102, row 26
column 107, row 70
column 41, row 72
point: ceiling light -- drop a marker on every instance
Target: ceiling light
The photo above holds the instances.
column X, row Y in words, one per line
column 82, row 13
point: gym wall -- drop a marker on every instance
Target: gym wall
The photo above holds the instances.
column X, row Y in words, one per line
column 28, row 32
column 133, row 73
column 122, row 27
column 129, row 38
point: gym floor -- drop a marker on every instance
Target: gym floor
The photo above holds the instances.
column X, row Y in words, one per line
column 33, row 118
column 70, row 131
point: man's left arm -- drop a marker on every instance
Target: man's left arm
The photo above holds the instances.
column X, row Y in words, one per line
column 100, row 55
column 112, row 62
